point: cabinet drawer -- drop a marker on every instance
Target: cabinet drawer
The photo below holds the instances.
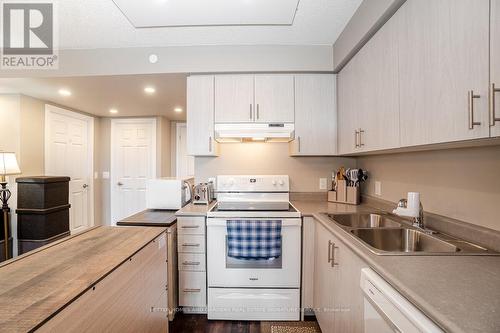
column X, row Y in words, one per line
column 192, row 262
column 192, row 289
column 191, row 225
column 191, row 243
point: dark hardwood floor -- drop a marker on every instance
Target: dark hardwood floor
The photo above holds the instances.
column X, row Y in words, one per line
column 186, row 323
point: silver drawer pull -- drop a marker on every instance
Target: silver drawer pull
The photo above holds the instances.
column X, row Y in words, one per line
column 190, row 226
column 191, row 263
column 191, row 245
column 189, row 290
column 472, row 123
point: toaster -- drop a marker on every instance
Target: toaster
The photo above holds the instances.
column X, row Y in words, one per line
column 203, row 193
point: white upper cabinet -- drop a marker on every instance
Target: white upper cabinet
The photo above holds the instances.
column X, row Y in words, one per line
column 376, row 93
column 254, row 98
column 274, row 98
column 444, row 69
column 234, row 98
column 495, row 68
column 348, row 129
column 200, row 116
column 315, row 115
column 368, row 108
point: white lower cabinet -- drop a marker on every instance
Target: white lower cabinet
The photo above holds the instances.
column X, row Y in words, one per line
column 338, row 299
column 191, row 247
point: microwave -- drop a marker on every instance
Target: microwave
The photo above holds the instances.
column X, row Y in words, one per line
column 168, row 193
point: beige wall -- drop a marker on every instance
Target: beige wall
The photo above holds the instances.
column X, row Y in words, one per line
column 269, row 158
column 32, row 136
column 458, row 183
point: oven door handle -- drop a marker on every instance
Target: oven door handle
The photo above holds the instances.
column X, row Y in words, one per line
column 285, row 222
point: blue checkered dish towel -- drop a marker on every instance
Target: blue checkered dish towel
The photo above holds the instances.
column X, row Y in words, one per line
column 254, row 239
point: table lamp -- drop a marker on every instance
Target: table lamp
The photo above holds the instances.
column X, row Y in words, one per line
column 8, row 166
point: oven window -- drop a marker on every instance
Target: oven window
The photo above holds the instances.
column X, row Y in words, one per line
column 274, row 263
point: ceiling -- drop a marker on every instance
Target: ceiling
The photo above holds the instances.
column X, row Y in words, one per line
column 101, row 24
column 98, row 94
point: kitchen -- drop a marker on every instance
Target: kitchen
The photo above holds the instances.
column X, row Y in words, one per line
column 343, row 156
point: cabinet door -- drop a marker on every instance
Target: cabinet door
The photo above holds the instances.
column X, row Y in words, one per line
column 377, row 90
column 443, row 56
column 347, row 81
column 347, row 294
column 315, row 115
column 274, row 98
column 495, row 68
column 200, row 116
column 234, row 98
column 323, row 280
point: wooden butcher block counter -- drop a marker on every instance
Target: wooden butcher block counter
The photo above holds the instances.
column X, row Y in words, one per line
column 106, row 279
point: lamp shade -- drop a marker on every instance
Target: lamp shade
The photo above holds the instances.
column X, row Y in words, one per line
column 8, row 164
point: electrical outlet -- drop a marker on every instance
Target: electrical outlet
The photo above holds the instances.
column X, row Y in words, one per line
column 322, row 183
column 378, row 188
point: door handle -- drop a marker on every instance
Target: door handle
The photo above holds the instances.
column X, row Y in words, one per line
column 119, row 184
column 251, row 112
column 472, row 123
column 258, row 111
column 493, row 117
column 298, row 141
column 210, row 144
column 85, row 186
column 361, row 131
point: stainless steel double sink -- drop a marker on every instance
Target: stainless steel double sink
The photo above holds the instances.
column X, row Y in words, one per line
column 386, row 234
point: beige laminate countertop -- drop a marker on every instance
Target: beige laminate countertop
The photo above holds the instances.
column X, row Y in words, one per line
column 36, row 286
column 195, row 210
column 459, row 293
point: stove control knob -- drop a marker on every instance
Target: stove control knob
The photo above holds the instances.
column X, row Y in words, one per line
column 274, row 182
column 282, row 182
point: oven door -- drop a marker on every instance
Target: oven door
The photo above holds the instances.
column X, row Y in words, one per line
column 282, row 272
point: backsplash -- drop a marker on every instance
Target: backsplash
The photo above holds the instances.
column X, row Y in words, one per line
column 463, row 184
column 270, row 158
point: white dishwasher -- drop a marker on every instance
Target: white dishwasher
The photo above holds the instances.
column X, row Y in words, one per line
column 385, row 310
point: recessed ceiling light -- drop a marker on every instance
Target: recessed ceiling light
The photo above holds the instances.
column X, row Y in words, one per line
column 178, row 109
column 149, row 90
column 153, row 58
column 113, row 111
column 64, row 92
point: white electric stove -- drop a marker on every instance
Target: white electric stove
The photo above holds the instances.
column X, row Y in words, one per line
column 257, row 289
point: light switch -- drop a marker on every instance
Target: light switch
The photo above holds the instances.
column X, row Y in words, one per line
column 322, row 183
column 96, row 175
column 378, row 188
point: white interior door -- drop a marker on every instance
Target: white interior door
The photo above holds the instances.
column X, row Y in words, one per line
column 133, row 161
column 185, row 163
column 69, row 152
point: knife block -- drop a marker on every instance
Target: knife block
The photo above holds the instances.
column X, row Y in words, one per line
column 345, row 194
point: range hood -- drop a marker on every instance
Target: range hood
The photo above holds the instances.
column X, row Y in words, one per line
column 240, row 132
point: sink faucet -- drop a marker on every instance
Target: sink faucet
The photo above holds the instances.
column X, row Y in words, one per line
column 418, row 221
column 412, row 207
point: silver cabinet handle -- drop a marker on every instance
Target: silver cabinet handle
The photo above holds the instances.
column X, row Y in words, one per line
column 356, row 135
column 85, row 186
column 333, row 255
column 298, row 141
column 361, row 131
column 330, row 243
column 119, row 184
column 190, row 290
column 191, row 245
column 493, row 117
column 191, row 263
column 251, row 112
column 472, row 123
column 258, row 111
column 190, row 227
column 210, row 144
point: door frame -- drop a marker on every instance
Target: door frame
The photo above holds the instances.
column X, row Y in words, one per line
column 51, row 109
column 112, row 180
column 177, row 159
